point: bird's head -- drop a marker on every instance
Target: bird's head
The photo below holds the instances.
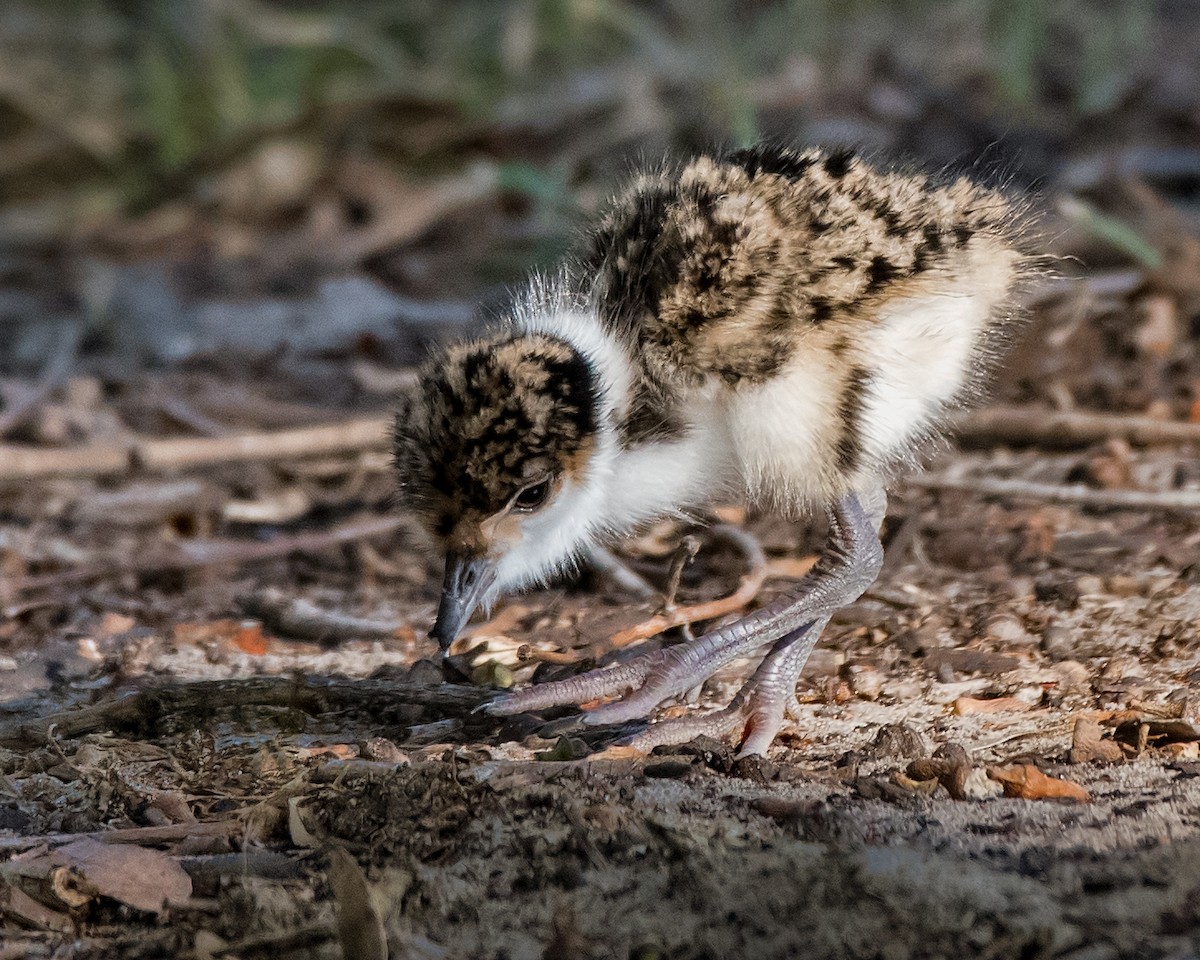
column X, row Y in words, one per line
column 498, row 454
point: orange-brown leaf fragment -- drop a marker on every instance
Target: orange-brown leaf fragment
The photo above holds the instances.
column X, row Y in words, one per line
column 250, row 639
column 966, row 705
column 1026, row 781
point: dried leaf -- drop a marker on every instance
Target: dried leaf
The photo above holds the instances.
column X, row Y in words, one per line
column 299, row 832
column 968, row 705
column 249, row 639
column 137, row 876
column 1026, row 781
column 359, row 926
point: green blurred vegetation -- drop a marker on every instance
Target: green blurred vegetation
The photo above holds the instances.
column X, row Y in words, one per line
column 192, row 79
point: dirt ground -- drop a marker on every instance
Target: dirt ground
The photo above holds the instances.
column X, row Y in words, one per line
column 221, row 732
column 189, row 714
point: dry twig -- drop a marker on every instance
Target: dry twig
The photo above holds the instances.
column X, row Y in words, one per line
column 167, row 833
column 22, row 462
column 297, row 617
column 312, row 694
column 198, row 554
column 1067, row 429
column 747, row 589
column 348, row 437
column 1076, row 494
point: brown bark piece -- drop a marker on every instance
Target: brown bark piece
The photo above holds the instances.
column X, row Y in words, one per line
column 1088, row 745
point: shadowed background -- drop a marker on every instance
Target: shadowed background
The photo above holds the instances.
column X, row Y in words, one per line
column 185, row 178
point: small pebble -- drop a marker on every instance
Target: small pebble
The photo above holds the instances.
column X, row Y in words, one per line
column 426, row 672
column 897, row 740
column 1123, row 585
column 667, row 769
column 904, row 690
column 1073, row 676
column 866, row 681
column 1009, row 630
column 1057, row 642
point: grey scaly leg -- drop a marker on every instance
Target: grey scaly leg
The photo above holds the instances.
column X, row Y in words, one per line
column 789, row 625
column 757, row 710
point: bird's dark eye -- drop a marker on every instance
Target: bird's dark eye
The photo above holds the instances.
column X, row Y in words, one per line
column 533, row 496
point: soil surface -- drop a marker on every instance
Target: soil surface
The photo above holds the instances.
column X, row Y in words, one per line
column 1004, row 639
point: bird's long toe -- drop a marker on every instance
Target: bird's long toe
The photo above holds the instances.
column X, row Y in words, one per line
column 756, row 714
column 754, row 718
column 719, row 724
column 593, row 685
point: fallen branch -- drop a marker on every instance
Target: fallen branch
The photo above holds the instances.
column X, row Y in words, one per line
column 24, row 462
column 1068, row 429
column 167, row 833
column 315, row 695
column 297, row 617
column 367, row 433
column 1075, row 494
column 1011, row 425
column 747, row 589
column 198, row 554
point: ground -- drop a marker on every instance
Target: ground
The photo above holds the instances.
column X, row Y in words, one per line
column 1001, row 635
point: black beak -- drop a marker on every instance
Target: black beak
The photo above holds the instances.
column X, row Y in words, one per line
column 467, row 580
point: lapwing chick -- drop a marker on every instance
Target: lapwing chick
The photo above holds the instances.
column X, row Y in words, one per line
column 784, row 327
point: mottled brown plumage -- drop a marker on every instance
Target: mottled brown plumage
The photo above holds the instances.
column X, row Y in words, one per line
column 487, row 418
column 784, row 326
column 725, row 269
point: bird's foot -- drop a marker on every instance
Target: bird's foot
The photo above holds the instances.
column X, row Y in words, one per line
column 648, row 679
column 790, row 625
column 756, row 713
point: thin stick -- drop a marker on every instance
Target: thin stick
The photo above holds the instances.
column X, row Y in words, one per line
column 1171, row 500
column 197, row 554
column 21, row 462
column 1015, row 425
column 1064, row 430
column 527, row 652
column 297, row 617
column 685, row 553
column 351, row 436
column 747, row 589
column 167, row 833
column 315, row 695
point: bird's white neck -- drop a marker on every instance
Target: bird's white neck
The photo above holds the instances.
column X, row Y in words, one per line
column 630, row 485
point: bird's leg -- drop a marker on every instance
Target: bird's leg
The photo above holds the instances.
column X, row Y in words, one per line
column 848, row 566
column 757, row 710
